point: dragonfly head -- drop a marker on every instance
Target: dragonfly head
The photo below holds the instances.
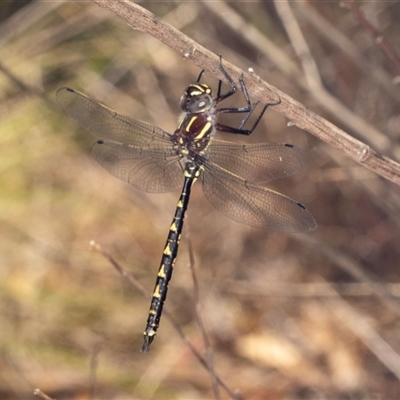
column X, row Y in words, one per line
column 196, row 98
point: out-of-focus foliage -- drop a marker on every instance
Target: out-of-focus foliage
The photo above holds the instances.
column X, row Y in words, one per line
column 289, row 317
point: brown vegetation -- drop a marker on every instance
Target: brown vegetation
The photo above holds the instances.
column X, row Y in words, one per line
column 287, row 316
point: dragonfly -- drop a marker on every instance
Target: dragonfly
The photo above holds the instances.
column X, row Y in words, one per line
column 233, row 175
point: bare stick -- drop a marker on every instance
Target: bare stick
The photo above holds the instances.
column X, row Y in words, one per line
column 144, row 21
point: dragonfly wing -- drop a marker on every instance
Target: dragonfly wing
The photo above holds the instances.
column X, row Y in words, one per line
column 104, row 123
column 253, row 205
column 261, row 162
column 151, row 170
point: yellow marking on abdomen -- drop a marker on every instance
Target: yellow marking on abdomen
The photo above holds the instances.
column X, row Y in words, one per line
column 161, row 272
column 167, row 250
column 156, row 293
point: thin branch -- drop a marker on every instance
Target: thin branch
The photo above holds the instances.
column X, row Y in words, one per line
column 143, row 20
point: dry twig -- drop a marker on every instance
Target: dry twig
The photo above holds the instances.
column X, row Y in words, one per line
column 144, row 21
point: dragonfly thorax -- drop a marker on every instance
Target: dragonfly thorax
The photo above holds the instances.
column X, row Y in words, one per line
column 197, row 98
column 194, row 133
column 197, row 121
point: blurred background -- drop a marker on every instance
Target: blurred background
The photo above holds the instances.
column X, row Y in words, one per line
column 310, row 316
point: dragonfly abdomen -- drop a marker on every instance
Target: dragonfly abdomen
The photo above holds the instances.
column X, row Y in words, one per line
column 167, row 262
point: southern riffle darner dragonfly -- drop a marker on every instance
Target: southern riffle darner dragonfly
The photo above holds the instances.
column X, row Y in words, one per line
column 153, row 160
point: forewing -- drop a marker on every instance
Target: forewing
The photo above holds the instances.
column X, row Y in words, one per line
column 254, row 205
column 131, row 150
column 106, row 124
column 156, row 171
column 261, row 162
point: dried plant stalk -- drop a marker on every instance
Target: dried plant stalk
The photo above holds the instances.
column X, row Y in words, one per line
column 143, row 20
